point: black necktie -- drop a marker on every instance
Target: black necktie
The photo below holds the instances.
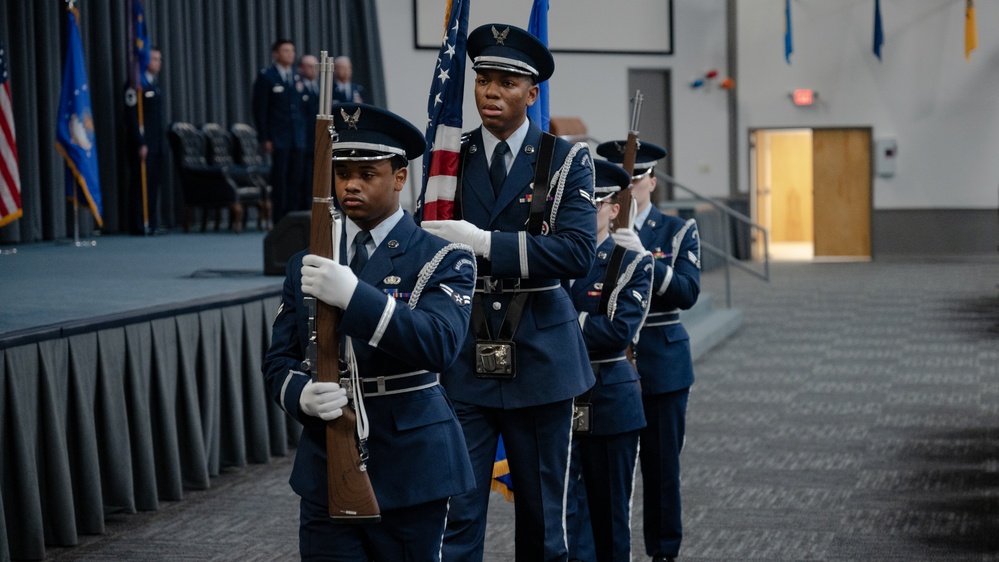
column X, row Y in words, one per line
column 497, row 168
column 360, row 251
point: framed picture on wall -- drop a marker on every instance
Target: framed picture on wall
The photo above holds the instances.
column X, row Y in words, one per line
column 641, row 27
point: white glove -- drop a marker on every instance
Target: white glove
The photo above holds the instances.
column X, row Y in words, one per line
column 327, row 280
column 628, row 238
column 463, row 232
column 323, row 400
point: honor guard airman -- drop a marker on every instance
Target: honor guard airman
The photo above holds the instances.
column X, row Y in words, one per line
column 525, row 206
column 406, row 302
column 663, row 350
column 612, row 301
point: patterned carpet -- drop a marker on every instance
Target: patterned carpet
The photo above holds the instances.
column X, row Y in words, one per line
column 854, row 416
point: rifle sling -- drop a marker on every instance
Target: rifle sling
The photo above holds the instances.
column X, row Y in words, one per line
column 610, row 279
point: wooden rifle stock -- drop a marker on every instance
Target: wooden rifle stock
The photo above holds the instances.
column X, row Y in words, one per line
column 351, row 498
column 625, row 198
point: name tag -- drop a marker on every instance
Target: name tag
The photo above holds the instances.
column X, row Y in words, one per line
column 277, row 89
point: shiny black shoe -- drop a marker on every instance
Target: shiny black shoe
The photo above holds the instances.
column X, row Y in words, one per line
column 663, row 558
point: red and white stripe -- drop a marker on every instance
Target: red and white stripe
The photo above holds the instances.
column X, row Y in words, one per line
column 10, row 178
column 442, row 180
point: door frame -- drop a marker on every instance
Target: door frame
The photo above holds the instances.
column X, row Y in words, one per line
column 753, row 157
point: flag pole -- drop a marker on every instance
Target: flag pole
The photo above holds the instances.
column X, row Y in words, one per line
column 142, row 163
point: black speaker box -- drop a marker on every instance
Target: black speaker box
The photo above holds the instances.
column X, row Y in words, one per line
column 288, row 237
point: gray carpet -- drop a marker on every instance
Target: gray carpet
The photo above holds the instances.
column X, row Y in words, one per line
column 855, row 416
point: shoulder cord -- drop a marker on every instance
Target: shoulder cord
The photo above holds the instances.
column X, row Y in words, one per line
column 558, row 182
column 678, row 239
column 430, row 267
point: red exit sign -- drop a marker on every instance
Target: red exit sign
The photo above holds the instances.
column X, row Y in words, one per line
column 803, row 97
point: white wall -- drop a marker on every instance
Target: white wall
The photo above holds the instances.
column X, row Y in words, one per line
column 942, row 109
column 594, row 87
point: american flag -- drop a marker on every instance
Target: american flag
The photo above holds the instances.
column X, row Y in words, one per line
column 10, row 178
column 440, row 163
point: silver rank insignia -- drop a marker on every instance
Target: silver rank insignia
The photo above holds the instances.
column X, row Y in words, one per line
column 500, row 36
column 393, row 244
column 459, row 299
column 351, row 120
column 652, row 223
column 392, row 280
column 602, row 255
column 529, row 149
column 598, row 286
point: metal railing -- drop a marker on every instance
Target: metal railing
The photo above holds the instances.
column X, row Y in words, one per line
column 729, row 215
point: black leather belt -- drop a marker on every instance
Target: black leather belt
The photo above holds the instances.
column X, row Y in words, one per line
column 397, row 384
column 492, row 285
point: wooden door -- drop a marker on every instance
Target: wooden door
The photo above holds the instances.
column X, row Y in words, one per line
column 841, row 161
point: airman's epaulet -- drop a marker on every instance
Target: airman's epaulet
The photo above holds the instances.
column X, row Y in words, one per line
column 465, row 137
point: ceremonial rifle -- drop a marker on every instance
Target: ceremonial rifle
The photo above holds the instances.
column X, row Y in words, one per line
column 625, row 217
column 351, row 498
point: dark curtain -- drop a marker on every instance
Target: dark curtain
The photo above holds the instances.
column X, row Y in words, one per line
column 212, row 51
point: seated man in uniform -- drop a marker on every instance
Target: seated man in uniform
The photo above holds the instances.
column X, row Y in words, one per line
column 406, row 299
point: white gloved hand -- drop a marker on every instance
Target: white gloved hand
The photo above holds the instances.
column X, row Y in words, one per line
column 463, row 232
column 327, row 280
column 628, row 238
column 323, row 400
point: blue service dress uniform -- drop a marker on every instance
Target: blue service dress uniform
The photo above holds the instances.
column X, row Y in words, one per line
column 150, row 135
column 310, row 108
column 533, row 410
column 605, row 458
column 400, row 322
column 277, row 113
column 355, row 93
column 667, row 371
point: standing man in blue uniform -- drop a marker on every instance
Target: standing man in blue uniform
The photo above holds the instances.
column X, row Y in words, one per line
column 277, row 112
column 405, row 299
column 344, row 89
column 663, row 351
column 145, row 144
column 524, row 358
column 310, row 108
column 612, row 301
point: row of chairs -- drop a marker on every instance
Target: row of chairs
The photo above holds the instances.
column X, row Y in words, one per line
column 219, row 170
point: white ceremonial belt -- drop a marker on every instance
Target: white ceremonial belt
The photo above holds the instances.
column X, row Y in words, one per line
column 398, row 384
column 611, row 360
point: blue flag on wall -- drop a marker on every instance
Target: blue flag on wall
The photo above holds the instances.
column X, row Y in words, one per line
column 75, row 139
column 538, row 27
column 879, row 33
column 788, row 43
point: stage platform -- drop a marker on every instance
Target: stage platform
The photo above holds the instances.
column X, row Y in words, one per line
column 130, row 371
column 58, row 285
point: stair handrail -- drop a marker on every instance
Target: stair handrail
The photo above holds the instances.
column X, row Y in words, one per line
column 730, row 213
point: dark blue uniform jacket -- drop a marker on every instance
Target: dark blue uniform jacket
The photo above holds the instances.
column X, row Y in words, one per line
column 417, row 449
column 663, row 351
column 551, row 359
column 616, row 397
